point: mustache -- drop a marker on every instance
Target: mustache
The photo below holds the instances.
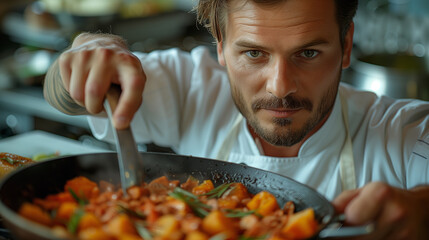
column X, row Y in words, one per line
column 289, row 102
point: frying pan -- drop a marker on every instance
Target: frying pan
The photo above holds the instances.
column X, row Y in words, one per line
column 48, row 177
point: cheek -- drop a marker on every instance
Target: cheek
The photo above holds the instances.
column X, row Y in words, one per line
column 249, row 83
column 322, row 76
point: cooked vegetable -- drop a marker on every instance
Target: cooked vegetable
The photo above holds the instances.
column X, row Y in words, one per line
column 9, row 162
column 165, row 209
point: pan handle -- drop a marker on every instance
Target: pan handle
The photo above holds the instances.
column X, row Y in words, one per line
column 336, row 229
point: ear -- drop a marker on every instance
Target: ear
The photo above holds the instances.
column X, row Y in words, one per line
column 220, row 56
column 348, row 46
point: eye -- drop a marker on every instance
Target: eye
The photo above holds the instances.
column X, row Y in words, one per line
column 253, row 53
column 309, row 53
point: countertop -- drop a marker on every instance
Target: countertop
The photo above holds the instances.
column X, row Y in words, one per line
column 39, row 142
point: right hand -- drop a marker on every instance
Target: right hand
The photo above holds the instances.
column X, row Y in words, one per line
column 92, row 64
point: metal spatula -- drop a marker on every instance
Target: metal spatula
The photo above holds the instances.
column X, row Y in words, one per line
column 129, row 158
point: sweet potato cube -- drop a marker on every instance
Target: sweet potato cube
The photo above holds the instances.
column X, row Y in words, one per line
column 227, row 203
column 216, row 222
column 121, row 224
column 263, row 203
column 238, row 191
column 89, row 220
column 167, row 227
column 180, row 207
column 65, row 211
column 83, row 187
column 128, row 237
column 203, row 188
column 196, row 235
column 300, row 225
column 94, row 234
column 35, row 213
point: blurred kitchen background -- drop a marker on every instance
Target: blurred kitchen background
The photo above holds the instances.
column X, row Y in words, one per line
column 391, row 54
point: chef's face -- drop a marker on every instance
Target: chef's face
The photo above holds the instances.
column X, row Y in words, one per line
column 284, row 63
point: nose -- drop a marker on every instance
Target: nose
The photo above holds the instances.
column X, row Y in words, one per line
column 280, row 81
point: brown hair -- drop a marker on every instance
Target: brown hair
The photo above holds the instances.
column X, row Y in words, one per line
column 212, row 14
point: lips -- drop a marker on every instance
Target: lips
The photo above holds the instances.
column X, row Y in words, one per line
column 282, row 112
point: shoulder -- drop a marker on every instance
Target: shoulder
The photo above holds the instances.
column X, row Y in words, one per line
column 382, row 109
column 387, row 124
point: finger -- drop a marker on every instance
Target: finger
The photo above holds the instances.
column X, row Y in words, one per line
column 344, row 199
column 65, row 69
column 367, row 205
column 132, row 80
column 79, row 75
column 99, row 80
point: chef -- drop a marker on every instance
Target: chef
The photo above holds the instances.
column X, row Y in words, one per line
column 272, row 100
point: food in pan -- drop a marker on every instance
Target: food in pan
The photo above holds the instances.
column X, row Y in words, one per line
column 168, row 209
column 9, row 162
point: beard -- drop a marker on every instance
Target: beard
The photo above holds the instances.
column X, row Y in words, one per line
column 283, row 134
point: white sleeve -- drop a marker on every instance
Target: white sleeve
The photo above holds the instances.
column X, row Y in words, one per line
column 418, row 164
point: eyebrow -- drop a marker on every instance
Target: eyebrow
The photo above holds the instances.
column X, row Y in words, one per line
column 251, row 44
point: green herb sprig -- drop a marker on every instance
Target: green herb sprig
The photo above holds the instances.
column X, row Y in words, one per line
column 79, row 200
column 74, row 220
column 131, row 212
column 9, row 160
column 236, row 213
column 218, row 191
column 143, row 231
column 199, row 208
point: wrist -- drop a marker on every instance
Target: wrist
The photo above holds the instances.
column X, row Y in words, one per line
column 100, row 39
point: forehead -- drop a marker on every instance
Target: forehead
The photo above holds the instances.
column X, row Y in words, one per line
column 288, row 19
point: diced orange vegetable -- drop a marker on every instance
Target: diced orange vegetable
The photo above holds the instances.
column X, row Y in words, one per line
column 128, row 237
column 167, row 227
column 216, row 222
column 54, row 201
column 227, row 203
column 35, row 213
column 94, row 234
column 88, row 220
column 65, row 211
column 300, row 225
column 238, row 191
column 180, row 207
column 263, row 203
column 203, row 188
column 196, row 235
column 278, row 237
column 83, row 187
column 121, row 224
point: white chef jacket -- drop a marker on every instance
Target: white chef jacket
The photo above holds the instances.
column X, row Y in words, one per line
column 187, row 105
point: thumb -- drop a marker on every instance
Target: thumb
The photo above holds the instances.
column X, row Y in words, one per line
column 341, row 201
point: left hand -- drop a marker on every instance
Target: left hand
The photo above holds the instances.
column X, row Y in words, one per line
column 396, row 213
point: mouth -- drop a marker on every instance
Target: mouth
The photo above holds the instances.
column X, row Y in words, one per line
column 282, row 112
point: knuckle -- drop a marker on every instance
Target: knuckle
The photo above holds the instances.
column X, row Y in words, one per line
column 94, row 90
column 136, row 81
column 383, row 190
column 104, row 53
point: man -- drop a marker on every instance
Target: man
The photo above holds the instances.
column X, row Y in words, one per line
column 281, row 61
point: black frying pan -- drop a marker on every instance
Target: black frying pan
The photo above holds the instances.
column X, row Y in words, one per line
column 48, row 177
